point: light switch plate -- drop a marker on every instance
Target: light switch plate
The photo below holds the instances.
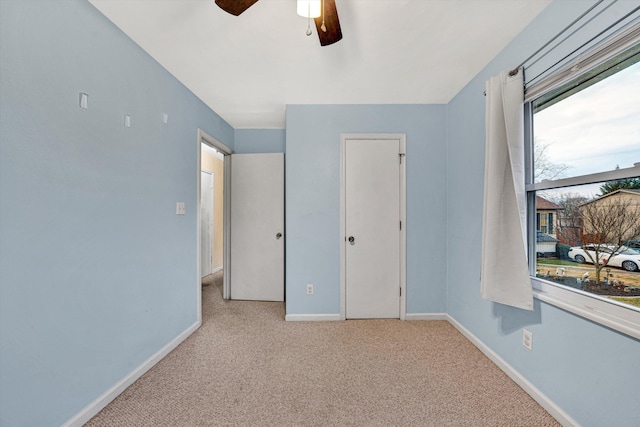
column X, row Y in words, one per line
column 527, row 339
column 180, row 209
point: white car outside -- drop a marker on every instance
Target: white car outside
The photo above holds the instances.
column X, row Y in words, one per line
column 625, row 257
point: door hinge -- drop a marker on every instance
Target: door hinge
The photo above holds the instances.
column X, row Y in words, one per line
column 400, row 291
column 401, row 155
column 400, row 225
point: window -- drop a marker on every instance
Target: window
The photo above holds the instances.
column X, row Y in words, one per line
column 584, row 164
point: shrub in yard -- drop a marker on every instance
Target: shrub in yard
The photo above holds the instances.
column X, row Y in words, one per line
column 562, row 251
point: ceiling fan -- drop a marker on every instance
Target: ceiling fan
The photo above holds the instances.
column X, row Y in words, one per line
column 327, row 24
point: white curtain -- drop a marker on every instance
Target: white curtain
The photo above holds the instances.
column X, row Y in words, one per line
column 505, row 272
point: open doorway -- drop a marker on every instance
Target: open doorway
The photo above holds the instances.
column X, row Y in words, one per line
column 213, row 213
column 211, row 210
column 206, row 221
column 258, row 246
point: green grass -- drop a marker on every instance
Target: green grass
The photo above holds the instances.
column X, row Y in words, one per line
column 631, row 301
column 549, row 261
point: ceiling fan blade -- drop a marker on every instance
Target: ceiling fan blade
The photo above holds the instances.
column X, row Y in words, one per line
column 235, row 7
column 331, row 22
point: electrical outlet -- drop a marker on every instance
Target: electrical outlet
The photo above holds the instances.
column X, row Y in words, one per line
column 84, row 100
column 527, row 339
column 309, row 289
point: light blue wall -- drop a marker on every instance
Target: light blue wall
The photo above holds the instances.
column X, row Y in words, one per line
column 97, row 273
column 259, row 141
column 588, row 370
column 313, row 200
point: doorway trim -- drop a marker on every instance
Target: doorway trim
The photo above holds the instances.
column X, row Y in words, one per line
column 403, row 209
column 205, row 138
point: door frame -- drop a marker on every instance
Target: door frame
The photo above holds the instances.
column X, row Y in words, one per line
column 403, row 214
column 205, row 138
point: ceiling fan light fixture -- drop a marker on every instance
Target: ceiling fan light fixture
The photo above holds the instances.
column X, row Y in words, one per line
column 309, row 8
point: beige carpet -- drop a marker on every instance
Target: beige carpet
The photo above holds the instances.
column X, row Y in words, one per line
column 246, row 366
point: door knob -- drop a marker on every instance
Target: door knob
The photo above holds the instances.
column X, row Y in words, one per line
column 352, row 240
column 279, row 235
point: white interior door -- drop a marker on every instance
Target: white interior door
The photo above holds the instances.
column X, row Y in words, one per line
column 372, row 228
column 257, row 227
column 206, row 223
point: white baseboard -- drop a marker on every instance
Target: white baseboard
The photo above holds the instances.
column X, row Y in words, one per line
column 97, row 405
column 426, row 316
column 555, row 411
column 333, row 317
column 215, row 270
column 311, row 317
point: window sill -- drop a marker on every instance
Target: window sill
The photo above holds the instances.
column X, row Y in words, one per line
column 605, row 312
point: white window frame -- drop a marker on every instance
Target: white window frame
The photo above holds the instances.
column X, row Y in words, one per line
column 618, row 316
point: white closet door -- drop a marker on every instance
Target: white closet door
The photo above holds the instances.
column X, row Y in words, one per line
column 372, row 225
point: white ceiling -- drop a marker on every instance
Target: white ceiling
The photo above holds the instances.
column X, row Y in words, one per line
column 247, row 68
